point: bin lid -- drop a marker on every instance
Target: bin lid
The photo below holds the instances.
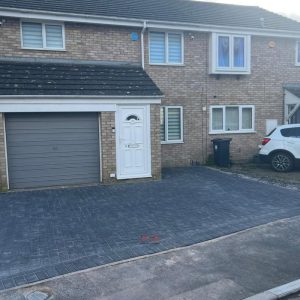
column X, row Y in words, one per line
column 219, row 140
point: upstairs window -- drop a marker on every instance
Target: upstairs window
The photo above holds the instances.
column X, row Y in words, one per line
column 171, row 126
column 42, row 36
column 165, row 48
column 231, row 119
column 230, row 54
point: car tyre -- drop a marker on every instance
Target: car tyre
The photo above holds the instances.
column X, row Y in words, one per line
column 282, row 162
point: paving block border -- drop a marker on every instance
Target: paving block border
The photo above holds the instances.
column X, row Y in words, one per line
column 278, row 292
column 279, row 289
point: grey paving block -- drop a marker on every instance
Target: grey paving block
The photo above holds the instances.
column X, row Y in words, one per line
column 31, row 277
column 20, row 280
column 51, row 272
column 61, row 269
column 41, row 275
column 8, row 283
column 52, row 232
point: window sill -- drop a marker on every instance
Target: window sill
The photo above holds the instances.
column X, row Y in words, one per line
column 231, row 132
column 171, row 142
column 231, row 72
column 167, row 65
column 44, row 49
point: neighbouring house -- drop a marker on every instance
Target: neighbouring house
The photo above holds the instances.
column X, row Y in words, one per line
column 102, row 90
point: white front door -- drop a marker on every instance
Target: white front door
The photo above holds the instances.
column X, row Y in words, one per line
column 133, row 142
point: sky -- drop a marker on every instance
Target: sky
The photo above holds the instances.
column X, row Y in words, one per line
column 289, row 8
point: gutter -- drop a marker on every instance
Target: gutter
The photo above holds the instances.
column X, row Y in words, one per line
column 131, row 22
column 142, row 44
column 64, row 61
column 32, row 98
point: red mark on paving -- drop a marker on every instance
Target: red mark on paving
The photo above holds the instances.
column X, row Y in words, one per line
column 144, row 238
column 153, row 239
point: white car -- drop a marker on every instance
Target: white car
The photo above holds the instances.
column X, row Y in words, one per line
column 281, row 147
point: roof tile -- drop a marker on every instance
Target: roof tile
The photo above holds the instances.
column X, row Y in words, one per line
column 165, row 10
column 70, row 79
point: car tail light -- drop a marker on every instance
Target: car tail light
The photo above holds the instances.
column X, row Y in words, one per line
column 265, row 141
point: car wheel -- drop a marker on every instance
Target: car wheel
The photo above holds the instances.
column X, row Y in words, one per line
column 282, row 162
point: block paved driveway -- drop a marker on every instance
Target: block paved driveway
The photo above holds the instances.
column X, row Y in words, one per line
column 52, row 232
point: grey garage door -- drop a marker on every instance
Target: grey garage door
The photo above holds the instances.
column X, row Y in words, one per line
column 48, row 149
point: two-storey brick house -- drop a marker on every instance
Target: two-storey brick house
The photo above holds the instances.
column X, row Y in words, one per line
column 94, row 91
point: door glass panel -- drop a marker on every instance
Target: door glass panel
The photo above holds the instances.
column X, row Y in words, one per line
column 132, row 117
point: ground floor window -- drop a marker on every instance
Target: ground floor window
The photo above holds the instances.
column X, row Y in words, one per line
column 231, row 118
column 171, row 124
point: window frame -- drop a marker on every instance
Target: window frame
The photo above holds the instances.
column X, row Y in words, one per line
column 223, row 131
column 297, row 48
column 167, row 141
column 214, row 54
column 167, row 63
column 45, row 48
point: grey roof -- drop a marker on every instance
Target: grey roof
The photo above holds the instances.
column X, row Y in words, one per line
column 293, row 88
column 71, row 79
column 165, row 10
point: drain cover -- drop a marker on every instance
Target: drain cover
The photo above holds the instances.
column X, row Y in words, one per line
column 37, row 295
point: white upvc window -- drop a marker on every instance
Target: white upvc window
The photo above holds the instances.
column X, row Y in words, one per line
column 171, row 124
column 230, row 54
column 42, row 36
column 232, row 119
column 297, row 53
column 166, row 48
